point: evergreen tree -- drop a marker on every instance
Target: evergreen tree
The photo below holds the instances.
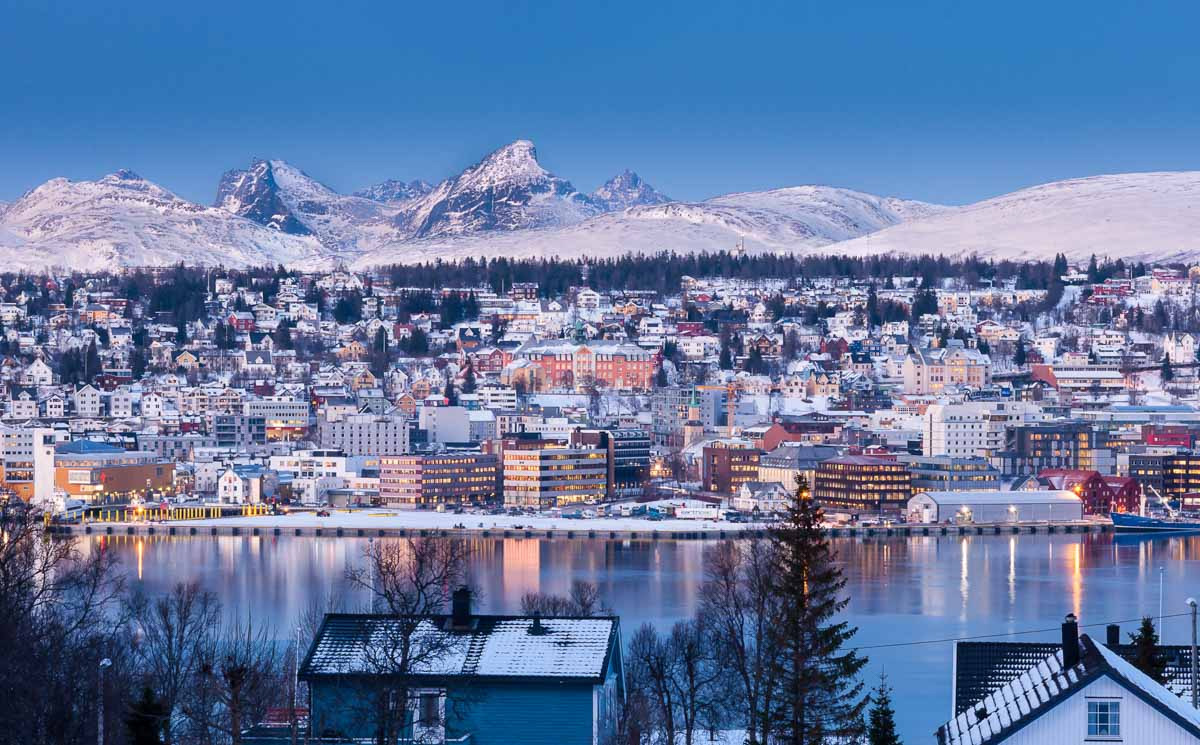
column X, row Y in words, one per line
column 379, row 358
column 873, row 317
column 449, row 393
column 1147, row 656
column 181, row 337
column 144, row 722
column 1019, row 355
column 1167, row 374
column 468, row 385
column 283, row 335
column 820, row 698
column 137, row 363
column 1093, row 271
column 881, row 720
column 660, row 376
column 726, row 357
column 92, row 364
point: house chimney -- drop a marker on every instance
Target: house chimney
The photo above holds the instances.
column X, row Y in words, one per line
column 1113, row 638
column 537, row 629
column 1070, row 641
column 460, row 607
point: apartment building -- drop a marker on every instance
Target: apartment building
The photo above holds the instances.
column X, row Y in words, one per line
column 424, row 481
column 554, row 477
column 975, row 428
column 365, row 434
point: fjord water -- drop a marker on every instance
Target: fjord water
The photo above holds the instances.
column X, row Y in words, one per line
column 902, row 590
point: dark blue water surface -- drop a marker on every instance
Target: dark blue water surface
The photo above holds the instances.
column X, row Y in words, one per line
column 901, row 589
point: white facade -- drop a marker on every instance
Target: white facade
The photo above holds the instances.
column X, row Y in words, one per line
column 445, row 423
column 994, row 506
column 974, row 429
column 365, row 434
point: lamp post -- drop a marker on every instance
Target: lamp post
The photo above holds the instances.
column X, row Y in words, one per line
column 104, row 665
column 1195, row 690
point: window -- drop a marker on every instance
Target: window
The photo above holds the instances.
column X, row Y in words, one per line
column 430, row 709
column 1104, row 718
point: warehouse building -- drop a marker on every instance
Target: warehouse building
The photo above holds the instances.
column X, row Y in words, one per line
column 966, row 507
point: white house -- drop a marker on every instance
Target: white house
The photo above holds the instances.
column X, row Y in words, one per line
column 87, row 402
column 1083, row 693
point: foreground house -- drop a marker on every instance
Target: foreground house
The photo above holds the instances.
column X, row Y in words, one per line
column 1083, row 692
column 495, row 680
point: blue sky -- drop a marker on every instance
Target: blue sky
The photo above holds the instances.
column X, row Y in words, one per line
column 945, row 101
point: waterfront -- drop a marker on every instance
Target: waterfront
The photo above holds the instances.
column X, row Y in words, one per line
column 902, row 589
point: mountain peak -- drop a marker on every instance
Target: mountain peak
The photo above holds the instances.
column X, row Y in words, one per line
column 253, row 194
column 625, row 190
column 123, row 174
column 515, row 162
column 395, row 190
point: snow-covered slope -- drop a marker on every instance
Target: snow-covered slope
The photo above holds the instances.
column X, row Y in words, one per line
column 395, row 190
column 124, row 220
column 797, row 218
column 507, row 190
column 282, row 197
column 625, row 190
column 1129, row 215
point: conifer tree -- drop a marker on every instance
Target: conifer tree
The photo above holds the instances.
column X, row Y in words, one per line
column 1147, row 656
column 820, row 697
column 881, row 720
column 1166, row 373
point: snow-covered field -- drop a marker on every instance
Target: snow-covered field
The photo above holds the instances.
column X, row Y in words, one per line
column 417, row 520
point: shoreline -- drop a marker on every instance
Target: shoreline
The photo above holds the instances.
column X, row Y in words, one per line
column 382, row 523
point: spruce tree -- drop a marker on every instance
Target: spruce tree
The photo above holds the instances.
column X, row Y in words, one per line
column 1147, row 656
column 881, row 720
column 820, row 697
column 1166, row 373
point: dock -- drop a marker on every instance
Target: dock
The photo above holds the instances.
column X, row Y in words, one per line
column 580, row 533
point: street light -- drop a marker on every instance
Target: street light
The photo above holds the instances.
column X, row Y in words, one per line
column 104, row 665
column 1195, row 690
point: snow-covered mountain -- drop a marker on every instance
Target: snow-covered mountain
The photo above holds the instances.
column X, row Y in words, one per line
column 394, row 190
column 280, row 196
column 124, row 220
column 1128, row 215
column 507, row 190
column 625, row 190
column 797, row 218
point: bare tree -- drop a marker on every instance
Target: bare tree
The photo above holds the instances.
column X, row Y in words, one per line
column 410, row 582
column 237, row 679
column 652, row 670
column 739, row 606
column 697, row 678
column 582, row 600
column 59, row 616
column 173, row 630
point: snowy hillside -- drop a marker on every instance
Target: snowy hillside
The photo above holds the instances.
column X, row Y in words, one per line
column 802, row 217
column 1130, row 215
column 507, row 190
column 282, row 197
column 124, row 220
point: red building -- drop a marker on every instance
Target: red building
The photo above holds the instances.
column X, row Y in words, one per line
column 1100, row 494
column 242, row 321
column 606, row 364
column 1167, row 435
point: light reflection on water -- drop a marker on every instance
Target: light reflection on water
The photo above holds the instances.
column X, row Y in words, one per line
column 901, row 589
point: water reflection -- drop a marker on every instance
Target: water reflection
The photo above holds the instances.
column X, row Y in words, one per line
column 902, row 590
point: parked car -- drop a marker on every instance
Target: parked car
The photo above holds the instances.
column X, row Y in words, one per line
column 322, row 513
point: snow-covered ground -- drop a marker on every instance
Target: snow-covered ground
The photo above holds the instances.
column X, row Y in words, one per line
column 370, row 518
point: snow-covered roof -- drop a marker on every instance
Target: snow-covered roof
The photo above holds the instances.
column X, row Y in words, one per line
column 1001, row 497
column 1012, row 705
column 490, row 646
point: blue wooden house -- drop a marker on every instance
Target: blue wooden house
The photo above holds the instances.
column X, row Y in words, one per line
column 472, row 679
